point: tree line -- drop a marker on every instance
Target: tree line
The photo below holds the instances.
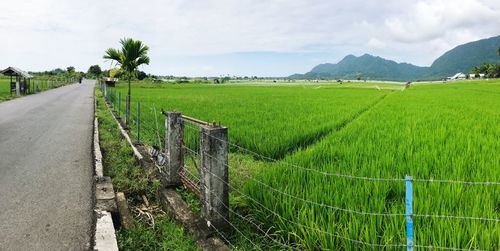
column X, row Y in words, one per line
column 490, row 70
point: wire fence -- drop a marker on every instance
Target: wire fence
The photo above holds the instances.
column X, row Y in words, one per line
column 37, row 84
column 147, row 126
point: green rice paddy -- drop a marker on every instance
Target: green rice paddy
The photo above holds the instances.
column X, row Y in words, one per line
column 430, row 131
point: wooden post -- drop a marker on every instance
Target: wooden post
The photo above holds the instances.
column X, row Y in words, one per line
column 18, row 87
column 174, row 128
column 214, row 176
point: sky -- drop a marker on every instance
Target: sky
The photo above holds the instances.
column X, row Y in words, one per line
column 238, row 38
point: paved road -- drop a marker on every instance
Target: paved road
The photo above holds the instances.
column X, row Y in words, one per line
column 46, row 170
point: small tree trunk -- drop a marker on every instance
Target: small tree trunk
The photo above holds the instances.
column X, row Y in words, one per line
column 127, row 108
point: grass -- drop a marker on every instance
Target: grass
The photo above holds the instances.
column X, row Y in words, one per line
column 269, row 119
column 43, row 86
column 430, row 131
column 128, row 177
column 4, row 89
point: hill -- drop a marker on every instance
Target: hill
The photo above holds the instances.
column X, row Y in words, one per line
column 463, row 57
column 460, row 59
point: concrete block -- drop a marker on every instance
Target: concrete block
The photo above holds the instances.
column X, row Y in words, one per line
column 126, row 219
column 105, row 195
column 105, row 238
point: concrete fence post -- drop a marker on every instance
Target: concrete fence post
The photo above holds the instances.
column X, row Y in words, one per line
column 214, row 176
column 174, row 129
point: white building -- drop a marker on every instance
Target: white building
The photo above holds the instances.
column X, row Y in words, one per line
column 474, row 76
column 457, row 76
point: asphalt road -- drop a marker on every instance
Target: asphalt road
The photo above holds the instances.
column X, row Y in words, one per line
column 46, row 171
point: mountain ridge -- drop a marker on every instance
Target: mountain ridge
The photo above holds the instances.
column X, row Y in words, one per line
column 459, row 59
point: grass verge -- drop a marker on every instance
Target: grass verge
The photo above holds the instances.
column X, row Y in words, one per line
column 153, row 230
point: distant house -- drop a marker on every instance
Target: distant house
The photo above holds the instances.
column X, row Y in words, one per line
column 476, row 76
column 457, row 76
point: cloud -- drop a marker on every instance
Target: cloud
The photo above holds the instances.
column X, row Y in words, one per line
column 184, row 36
column 375, row 43
column 427, row 20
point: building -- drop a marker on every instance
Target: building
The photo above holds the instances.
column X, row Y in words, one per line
column 457, row 76
column 21, row 83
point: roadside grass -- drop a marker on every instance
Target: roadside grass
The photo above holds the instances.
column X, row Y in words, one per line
column 128, row 177
column 5, row 89
column 241, row 167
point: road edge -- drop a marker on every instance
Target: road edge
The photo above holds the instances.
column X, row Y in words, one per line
column 104, row 232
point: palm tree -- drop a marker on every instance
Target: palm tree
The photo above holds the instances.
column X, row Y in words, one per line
column 132, row 55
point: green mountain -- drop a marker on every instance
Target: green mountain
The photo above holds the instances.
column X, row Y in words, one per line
column 460, row 59
column 463, row 57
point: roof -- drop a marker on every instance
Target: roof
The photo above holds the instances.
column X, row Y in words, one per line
column 13, row 71
column 460, row 74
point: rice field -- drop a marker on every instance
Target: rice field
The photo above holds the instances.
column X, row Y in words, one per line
column 429, row 131
column 272, row 120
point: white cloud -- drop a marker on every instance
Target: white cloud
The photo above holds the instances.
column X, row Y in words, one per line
column 45, row 34
column 375, row 43
column 427, row 20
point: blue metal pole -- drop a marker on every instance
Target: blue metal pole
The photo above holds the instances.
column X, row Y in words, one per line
column 409, row 214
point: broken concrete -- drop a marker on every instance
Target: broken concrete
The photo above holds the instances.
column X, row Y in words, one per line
column 173, row 204
column 105, row 195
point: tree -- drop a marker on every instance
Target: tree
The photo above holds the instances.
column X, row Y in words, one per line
column 129, row 57
column 94, row 70
column 141, row 75
column 115, row 73
column 70, row 69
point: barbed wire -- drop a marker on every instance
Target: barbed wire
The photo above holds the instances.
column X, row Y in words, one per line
column 249, row 221
column 455, row 217
column 237, row 230
column 356, row 211
column 445, row 248
column 313, row 202
column 223, row 237
column 349, row 176
column 335, row 235
column 302, row 225
column 458, row 182
column 300, row 167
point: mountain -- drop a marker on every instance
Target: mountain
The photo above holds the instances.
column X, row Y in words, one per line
column 367, row 67
column 463, row 57
column 460, row 59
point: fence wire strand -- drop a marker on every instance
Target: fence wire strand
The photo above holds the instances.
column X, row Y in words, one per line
column 352, row 176
column 302, row 225
column 266, row 234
